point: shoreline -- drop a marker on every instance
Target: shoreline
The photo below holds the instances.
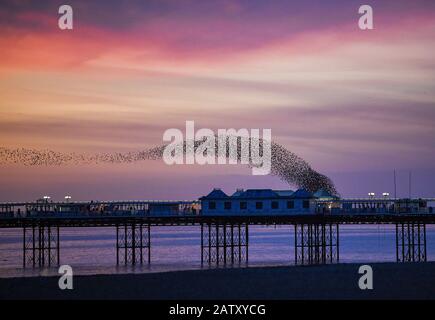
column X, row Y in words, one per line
column 336, row 281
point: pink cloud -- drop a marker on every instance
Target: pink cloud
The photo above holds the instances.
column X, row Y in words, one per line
column 204, row 38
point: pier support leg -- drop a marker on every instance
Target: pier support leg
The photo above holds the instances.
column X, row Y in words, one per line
column 411, row 242
column 316, row 243
column 133, row 243
column 224, row 243
column 41, row 246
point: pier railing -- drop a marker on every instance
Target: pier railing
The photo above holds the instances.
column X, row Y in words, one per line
column 224, row 238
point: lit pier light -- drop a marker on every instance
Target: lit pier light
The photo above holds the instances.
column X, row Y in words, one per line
column 371, row 194
column 67, row 198
column 385, row 194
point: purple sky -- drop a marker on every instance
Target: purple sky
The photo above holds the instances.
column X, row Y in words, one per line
column 354, row 104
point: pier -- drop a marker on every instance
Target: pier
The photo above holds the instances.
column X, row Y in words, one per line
column 224, row 238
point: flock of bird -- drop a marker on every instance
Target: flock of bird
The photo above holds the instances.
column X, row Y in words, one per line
column 284, row 164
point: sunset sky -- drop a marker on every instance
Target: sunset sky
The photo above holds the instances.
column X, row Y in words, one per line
column 355, row 104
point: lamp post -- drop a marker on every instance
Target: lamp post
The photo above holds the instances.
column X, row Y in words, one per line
column 46, row 198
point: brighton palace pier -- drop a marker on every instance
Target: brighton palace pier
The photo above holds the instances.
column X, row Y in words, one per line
column 224, row 221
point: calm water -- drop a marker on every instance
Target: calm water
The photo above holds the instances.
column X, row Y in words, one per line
column 92, row 250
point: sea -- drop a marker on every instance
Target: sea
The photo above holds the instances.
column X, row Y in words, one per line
column 91, row 251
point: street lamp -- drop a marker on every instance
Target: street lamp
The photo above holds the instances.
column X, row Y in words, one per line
column 385, row 194
column 371, row 194
column 46, row 206
column 67, row 198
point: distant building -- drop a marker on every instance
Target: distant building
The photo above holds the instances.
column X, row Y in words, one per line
column 288, row 202
column 258, row 201
column 218, row 203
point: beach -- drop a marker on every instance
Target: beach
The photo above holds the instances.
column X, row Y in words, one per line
column 339, row 281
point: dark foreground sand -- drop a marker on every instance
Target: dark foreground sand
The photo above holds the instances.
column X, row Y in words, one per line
column 391, row 281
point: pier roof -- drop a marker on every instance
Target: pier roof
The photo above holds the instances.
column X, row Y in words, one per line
column 322, row 193
column 302, row 194
column 284, row 193
column 258, row 193
column 215, row 194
